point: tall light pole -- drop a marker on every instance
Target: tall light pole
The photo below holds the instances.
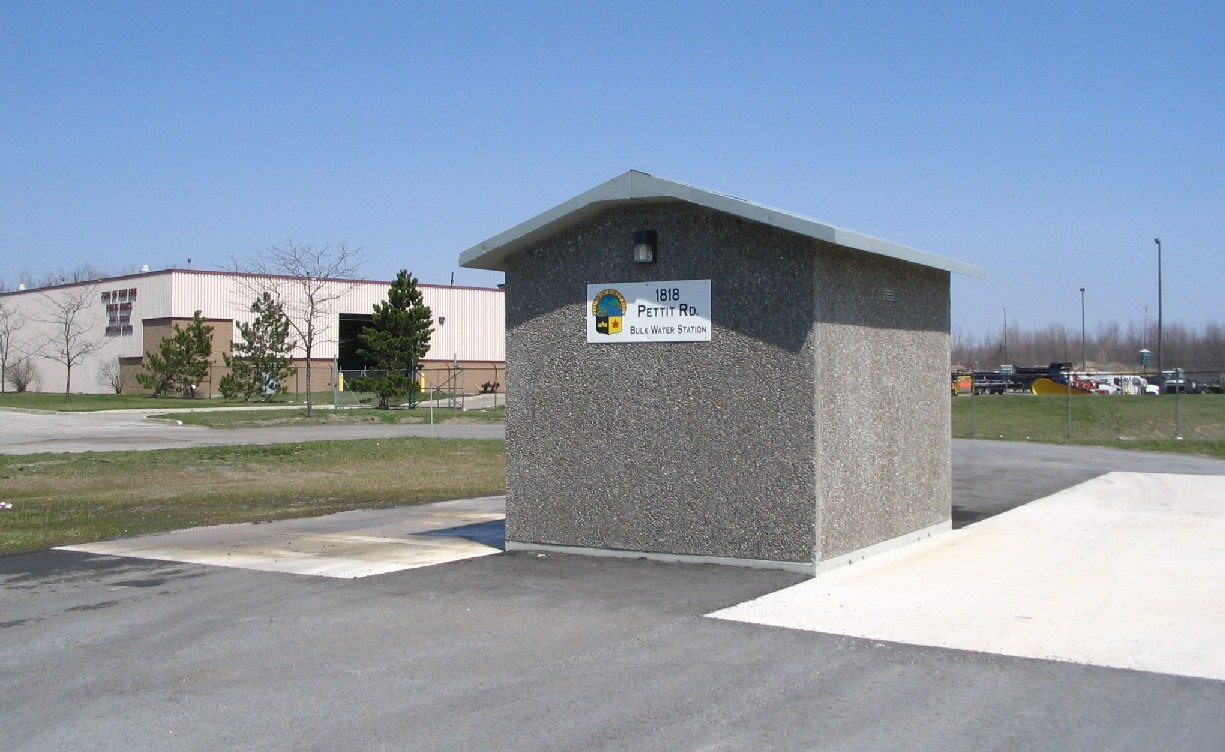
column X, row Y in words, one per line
column 1083, row 364
column 1158, row 242
column 1005, row 336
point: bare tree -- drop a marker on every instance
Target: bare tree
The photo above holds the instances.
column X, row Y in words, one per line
column 23, row 373
column 1112, row 346
column 1108, row 343
column 306, row 280
column 75, row 275
column 110, row 374
column 1214, row 343
column 963, row 348
column 11, row 323
column 1179, row 345
column 73, row 313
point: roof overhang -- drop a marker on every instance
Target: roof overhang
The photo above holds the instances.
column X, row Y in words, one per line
column 634, row 186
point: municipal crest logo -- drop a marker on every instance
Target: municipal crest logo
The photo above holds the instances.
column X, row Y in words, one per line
column 608, row 307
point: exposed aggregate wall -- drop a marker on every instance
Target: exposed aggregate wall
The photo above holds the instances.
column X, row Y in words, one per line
column 804, row 429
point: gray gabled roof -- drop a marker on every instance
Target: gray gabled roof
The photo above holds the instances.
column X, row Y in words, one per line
column 635, row 186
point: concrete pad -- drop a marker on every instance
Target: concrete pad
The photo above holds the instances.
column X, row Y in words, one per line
column 345, row 545
column 1126, row 570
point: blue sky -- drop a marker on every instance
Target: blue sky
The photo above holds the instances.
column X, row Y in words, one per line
column 1047, row 142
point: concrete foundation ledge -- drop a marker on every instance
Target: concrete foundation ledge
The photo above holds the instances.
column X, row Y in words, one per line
column 880, row 548
column 800, row 567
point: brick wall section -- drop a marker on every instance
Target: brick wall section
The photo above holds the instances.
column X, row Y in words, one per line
column 321, row 376
column 469, row 378
column 155, row 330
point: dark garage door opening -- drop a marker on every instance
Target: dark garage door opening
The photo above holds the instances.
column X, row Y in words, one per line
column 350, row 326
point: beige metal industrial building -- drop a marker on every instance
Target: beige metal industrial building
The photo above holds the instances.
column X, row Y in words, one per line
column 129, row 315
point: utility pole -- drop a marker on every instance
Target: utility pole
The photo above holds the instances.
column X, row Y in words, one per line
column 1083, row 364
column 1006, row 361
column 1159, row 322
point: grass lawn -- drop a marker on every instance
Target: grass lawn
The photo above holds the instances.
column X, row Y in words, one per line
column 94, row 402
column 297, row 417
column 1104, row 420
column 291, row 412
column 59, row 499
column 72, row 498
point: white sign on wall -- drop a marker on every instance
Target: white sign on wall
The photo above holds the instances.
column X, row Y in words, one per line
column 676, row 311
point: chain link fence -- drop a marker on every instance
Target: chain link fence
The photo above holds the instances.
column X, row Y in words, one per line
column 1070, row 405
column 461, row 386
column 456, row 386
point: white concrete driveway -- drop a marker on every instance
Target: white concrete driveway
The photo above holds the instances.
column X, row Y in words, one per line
column 1126, row 570
column 346, row 545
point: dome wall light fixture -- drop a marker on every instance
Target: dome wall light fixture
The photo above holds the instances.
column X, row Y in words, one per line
column 644, row 246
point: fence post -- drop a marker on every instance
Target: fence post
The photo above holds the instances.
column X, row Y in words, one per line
column 973, row 411
column 1177, row 430
column 1068, row 384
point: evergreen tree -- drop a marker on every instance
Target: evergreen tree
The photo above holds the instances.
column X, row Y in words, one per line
column 182, row 359
column 395, row 342
column 260, row 364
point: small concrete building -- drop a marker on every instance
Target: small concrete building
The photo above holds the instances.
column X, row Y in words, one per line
column 696, row 377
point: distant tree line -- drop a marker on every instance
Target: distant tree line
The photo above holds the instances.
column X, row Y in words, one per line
column 66, row 276
column 75, row 275
column 1107, row 346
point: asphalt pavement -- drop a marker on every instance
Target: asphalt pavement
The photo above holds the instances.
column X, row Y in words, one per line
column 29, row 432
column 538, row 651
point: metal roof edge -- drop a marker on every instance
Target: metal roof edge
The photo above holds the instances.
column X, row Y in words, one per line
column 859, row 241
column 494, row 251
column 636, row 185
